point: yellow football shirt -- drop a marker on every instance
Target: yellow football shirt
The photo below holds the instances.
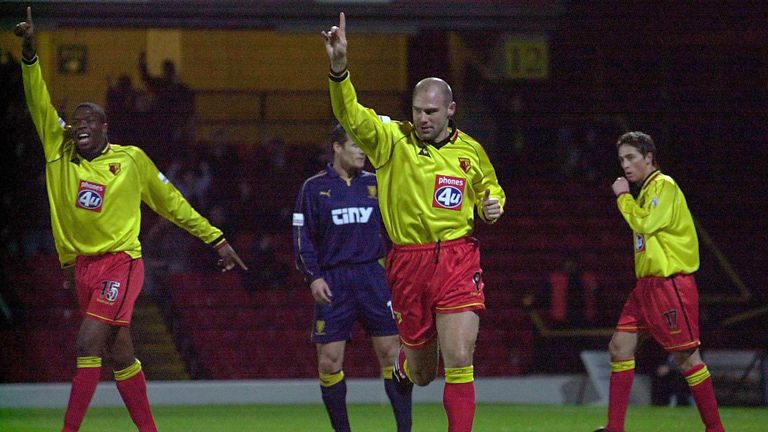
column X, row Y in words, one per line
column 665, row 238
column 96, row 205
column 426, row 193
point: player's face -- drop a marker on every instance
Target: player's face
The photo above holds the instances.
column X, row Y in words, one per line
column 90, row 131
column 431, row 113
column 350, row 156
column 636, row 167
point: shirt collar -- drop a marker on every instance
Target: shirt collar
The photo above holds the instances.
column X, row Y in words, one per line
column 453, row 133
column 333, row 174
column 650, row 177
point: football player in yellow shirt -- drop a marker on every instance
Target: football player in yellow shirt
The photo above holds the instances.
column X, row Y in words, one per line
column 665, row 301
column 95, row 190
column 432, row 179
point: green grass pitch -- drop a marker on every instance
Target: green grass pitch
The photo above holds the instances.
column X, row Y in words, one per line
column 378, row 418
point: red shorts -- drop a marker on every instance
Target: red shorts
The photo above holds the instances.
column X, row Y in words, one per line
column 667, row 308
column 433, row 278
column 108, row 286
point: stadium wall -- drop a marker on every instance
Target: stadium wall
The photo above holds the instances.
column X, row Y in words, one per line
column 549, row 389
column 212, row 60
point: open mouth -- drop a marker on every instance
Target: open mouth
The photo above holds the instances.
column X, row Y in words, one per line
column 83, row 137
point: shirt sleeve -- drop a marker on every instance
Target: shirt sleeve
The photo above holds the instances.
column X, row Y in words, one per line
column 304, row 228
column 487, row 181
column 655, row 214
column 49, row 126
column 163, row 197
column 366, row 128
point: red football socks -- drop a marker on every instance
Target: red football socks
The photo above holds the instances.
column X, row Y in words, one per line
column 459, row 398
column 132, row 386
column 83, row 387
column 622, row 376
column 703, row 392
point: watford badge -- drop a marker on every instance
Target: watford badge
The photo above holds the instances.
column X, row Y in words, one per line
column 465, row 164
column 320, row 327
column 114, row 168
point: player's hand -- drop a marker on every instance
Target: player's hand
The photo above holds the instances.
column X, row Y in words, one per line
column 321, row 291
column 229, row 258
column 26, row 31
column 336, row 45
column 620, row 186
column 69, row 278
column 491, row 207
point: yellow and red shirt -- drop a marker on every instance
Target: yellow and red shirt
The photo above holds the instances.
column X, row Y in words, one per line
column 664, row 234
column 426, row 193
column 96, row 205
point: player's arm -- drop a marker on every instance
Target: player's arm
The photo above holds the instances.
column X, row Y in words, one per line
column 655, row 214
column 304, row 227
column 362, row 124
column 50, row 127
column 163, row 198
column 489, row 196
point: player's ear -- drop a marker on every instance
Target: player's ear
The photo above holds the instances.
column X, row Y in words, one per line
column 650, row 158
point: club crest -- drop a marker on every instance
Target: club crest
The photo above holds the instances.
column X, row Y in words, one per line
column 114, row 168
column 465, row 164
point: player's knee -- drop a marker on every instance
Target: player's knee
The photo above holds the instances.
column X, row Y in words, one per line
column 463, row 358
column 422, row 377
column 121, row 358
column 458, row 357
column 89, row 344
column 327, row 364
column 389, row 356
column 619, row 350
column 686, row 359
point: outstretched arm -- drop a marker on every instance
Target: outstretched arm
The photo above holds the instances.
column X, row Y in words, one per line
column 26, row 31
column 336, row 45
column 229, row 258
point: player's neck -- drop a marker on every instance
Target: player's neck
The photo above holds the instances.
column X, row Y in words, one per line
column 647, row 176
column 346, row 173
column 93, row 155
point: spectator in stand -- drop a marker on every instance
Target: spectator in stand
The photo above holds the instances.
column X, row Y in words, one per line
column 37, row 238
column 95, row 190
column 269, row 272
column 572, row 295
column 123, row 102
column 172, row 107
column 20, row 160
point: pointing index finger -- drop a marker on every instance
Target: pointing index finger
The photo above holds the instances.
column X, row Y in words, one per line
column 29, row 15
column 342, row 22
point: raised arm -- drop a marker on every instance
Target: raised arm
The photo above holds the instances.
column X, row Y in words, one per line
column 26, row 31
column 51, row 129
column 336, row 45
